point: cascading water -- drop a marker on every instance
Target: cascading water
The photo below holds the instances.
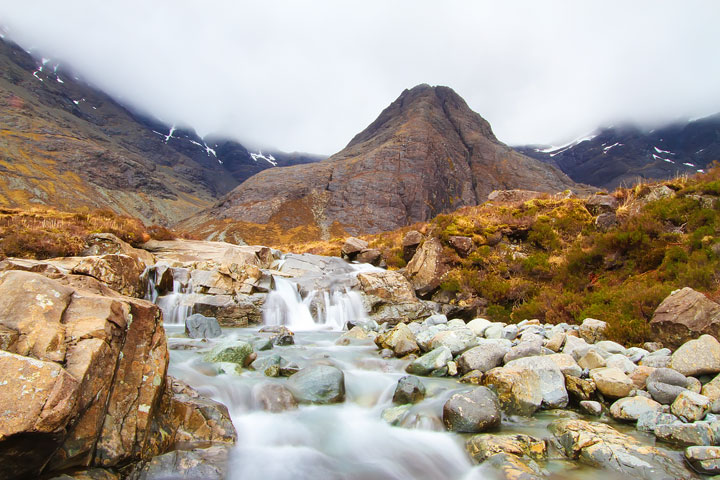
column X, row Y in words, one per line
column 176, row 303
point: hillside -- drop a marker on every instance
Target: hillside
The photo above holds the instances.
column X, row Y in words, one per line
column 66, row 144
column 425, row 154
column 623, row 155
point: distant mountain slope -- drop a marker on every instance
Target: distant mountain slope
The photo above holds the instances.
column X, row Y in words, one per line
column 617, row 156
column 427, row 153
column 67, row 144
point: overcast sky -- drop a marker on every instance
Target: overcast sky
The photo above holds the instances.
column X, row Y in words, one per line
column 308, row 75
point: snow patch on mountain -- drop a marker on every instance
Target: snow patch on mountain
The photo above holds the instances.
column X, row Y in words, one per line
column 260, row 156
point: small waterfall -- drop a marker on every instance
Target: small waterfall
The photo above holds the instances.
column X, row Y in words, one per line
column 171, row 290
column 285, row 306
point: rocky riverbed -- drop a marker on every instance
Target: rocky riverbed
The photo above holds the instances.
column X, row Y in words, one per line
column 369, row 382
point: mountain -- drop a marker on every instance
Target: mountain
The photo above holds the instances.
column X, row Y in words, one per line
column 620, row 156
column 427, row 153
column 66, row 144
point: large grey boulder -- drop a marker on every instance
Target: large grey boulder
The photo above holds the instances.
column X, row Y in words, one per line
column 200, row 326
column 409, row 389
column 630, row 409
column 685, row 314
column 431, row 361
column 456, row 340
column 697, row 357
column 320, row 384
column 549, row 369
column 665, row 384
column 484, row 357
column 472, row 412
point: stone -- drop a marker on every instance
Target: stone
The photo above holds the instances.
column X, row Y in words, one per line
column 456, row 323
column 355, row 335
column 684, row 315
column 648, row 421
column 474, row 377
column 601, row 203
column 592, row 330
column 610, row 347
column 629, row 409
column 436, row 319
column 484, row 357
column 433, row 360
column 601, row 446
column 274, row 397
column 510, row 332
column 525, row 349
column 565, row 363
column 320, row 384
column 690, row 406
column 400, row 340
column 591, row 407
column 712, row 391
column 409, row 389
column 122, row 273
column 518, row 389
column 658, row 359
column 612, row 382
column 640, row 375
column 394, row 415
column 579, row 388
column 206, row 463
column 200, row 326
column 352, row 247
column 552, row 379
column 483, row 446
column 425, row 269
column 472, row 412
column 239, row 354
column 556, row 342
column 576, row 347
column 686, row 434
column 373, row 256
column 592, row 360
column 697, row 357
column 462, row 245
column 635, row 354
column 621, row 362
column 410, row 242
column 98, row 244
column 705, row 460
column 494, row 331
column 665, row 384
column 478, row 325
column 511, row 467
column 456, row 340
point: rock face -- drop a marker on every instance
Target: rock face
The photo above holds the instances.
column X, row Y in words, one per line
column 427, row 153
column 684, row 315
column 96, row 367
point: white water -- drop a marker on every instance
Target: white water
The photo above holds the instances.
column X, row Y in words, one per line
column 175, row 304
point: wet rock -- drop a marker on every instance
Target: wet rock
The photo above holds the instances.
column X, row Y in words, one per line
column 579, row 388
column 274, row 397
column 400, row 340
column 409, row 389
column 282, row 337
column 685, row 314
column 591, row 407
column 433, row 360
column 353, row 336
column 648, row 421
column 200, row 326
column 600, row 445
column 592, row 330
column 665, row 384
column 550, row 369
column 698, row 433
column 319, row 384
column 206, row 463
column 629, row 409
column 519, row 390
column 456, row 340
column 483, row 358
column 483, row 446
column 472, row 412
column 239, row 354
column 462, row 245
column 705, row 460
column 474, row 377
column 425, row 269
column 690, row 406
column 394, row 415
column 512, row 467
column 612, row 382
column 697, row 357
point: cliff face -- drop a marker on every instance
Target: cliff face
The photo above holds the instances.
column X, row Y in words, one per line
column 427, row 153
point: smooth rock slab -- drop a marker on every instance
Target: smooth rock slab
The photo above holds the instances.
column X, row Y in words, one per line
column 698, row 433
column 601, row 446
column 200, row 326
column 472, row 412
column 319, row 384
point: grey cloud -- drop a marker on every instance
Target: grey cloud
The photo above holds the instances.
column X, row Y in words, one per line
column 308, row 75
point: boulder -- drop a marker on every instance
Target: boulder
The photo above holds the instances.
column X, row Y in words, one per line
column 456, row 340
column 549, row 369
column 665, row 384
column 425, row 270
column 237, row 311
column 712, row 391
column 240, row 354
column 400, row 340
column 320, row 384
column 601, row 203
column 591, row 360
column 409, row 389
column 518, row 389
column 483, row 446
column 200, row 326
column 274, row 397
column 575, row 347
column 612, row 382
column 684, row 315
column 592, row 330
column 522, row 350
column 431, row 361
column 686, row 434
column 462, row 245
column 203, row 463
column 373, row 256
column 410, row 243
column 601, row 446
column 705, row 460
column 472, row 412
column 352, row 336
column 690, row 406
column 484, row 357
column 648, row 421
column 390, row 298
column 98, row 244
column 591, row 407
column 697, row 357
column 122, row 273
column 629, row 409
column 556, row 342
column 580, row 388
column 352, row 247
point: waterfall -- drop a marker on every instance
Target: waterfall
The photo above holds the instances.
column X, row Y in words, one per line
column 176, row 303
